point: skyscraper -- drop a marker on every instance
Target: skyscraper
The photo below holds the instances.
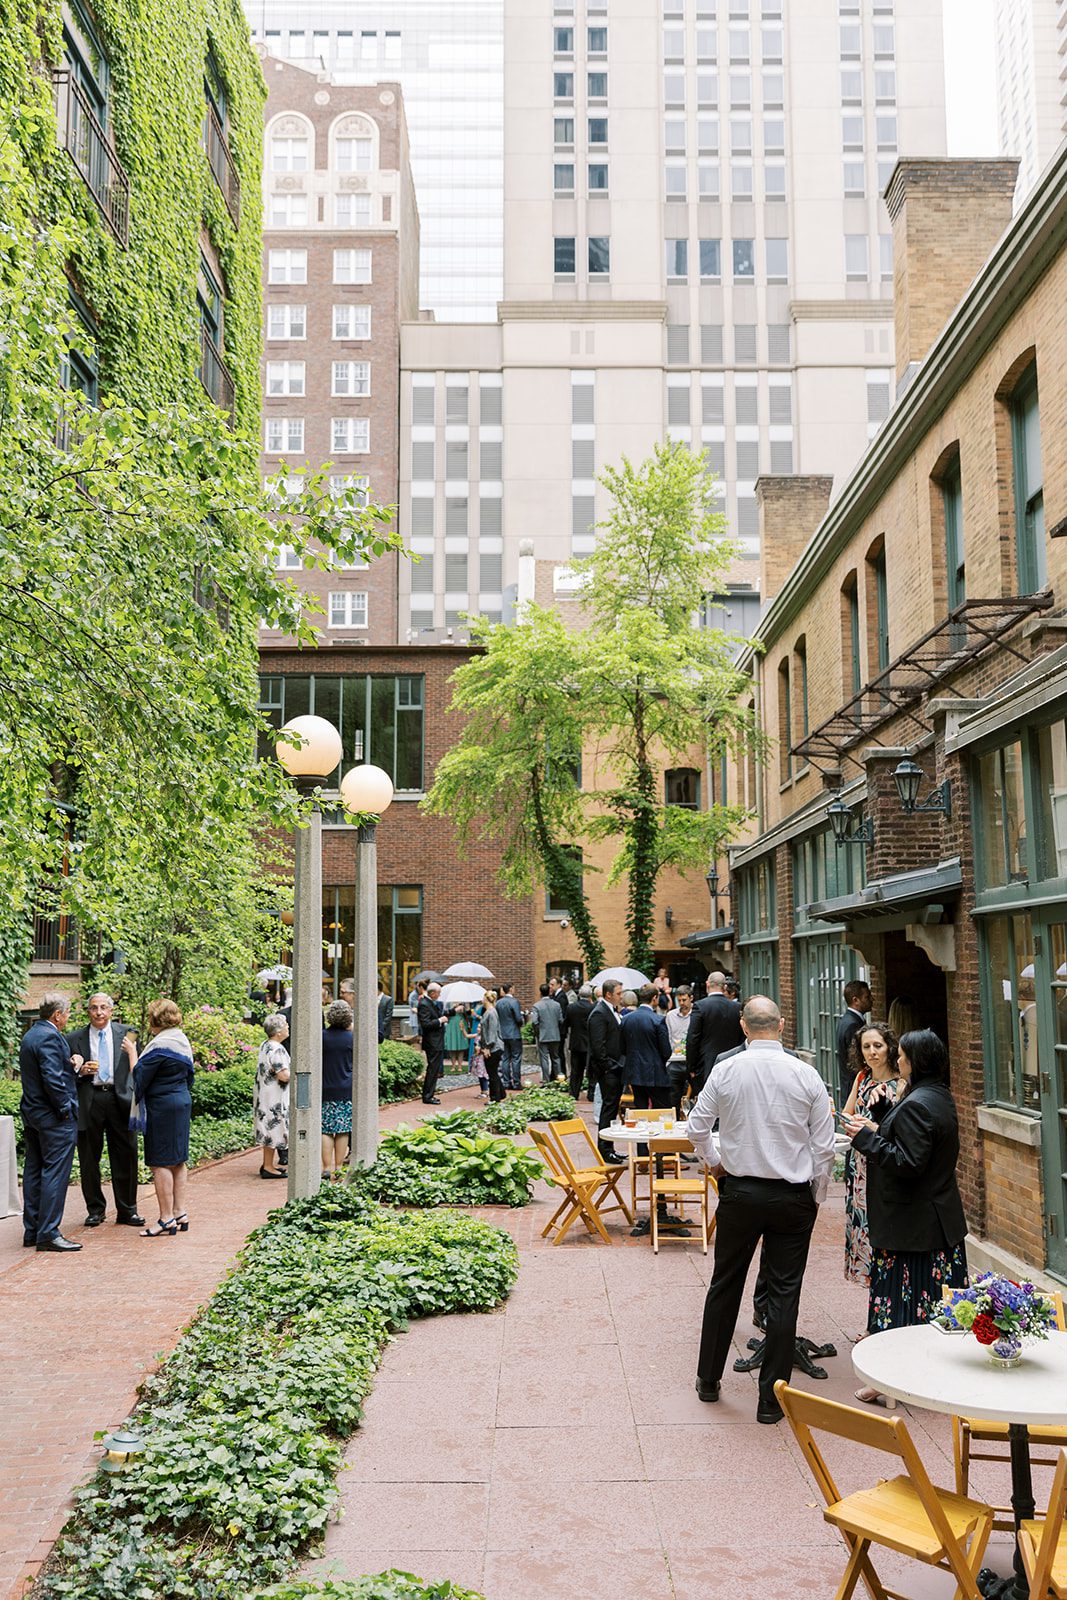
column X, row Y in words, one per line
column 448, row 60
column 1030, row 40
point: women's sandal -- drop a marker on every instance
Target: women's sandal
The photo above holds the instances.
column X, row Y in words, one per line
column 169, row 1227
column 266, row 1172
column 182, row 1219
column 874, row 1397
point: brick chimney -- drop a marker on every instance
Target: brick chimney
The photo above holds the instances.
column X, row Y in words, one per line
column 790, row 509
column 947, row 215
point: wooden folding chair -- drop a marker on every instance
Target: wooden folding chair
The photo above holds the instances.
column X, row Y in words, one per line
column 967, row 1430
column 682, row 1191
column 1043, row 1544
column 640, row 1166
column 906, row 1513
column 585, row 1189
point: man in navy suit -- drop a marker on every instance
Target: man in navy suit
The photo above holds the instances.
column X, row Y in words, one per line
column 647, row 1049
column 49, row 1112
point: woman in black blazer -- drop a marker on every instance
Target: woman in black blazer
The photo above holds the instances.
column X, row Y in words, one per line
column 914, row 1208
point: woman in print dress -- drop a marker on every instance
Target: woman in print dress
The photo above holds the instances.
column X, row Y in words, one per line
column 873, row 1059
column 272, row 1096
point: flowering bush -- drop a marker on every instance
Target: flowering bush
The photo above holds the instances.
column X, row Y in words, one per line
column 218, row 1041
column 999, row 1310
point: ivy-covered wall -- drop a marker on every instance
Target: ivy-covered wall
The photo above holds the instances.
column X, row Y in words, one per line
column 143, row 298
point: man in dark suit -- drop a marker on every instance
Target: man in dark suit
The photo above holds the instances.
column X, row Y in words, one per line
column 857, row 997
column 646, row 1050
column 714, row 1028
column 578, row 1015
column 49, row 1112
column 560, row 995
column 105, row 1092
column 385, row 1012
column 606, row 1062
column 432, row 1028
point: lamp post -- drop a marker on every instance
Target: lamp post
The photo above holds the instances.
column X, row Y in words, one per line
column 309, row 763
column 367, row 792
column 712, row 880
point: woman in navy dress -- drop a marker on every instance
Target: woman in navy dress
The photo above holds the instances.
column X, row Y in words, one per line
column 163, row 1076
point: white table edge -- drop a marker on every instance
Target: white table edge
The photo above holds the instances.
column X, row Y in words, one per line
column 968, row 1408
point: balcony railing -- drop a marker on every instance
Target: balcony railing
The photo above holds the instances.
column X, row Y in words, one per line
column 90, row 150
column 220, row 161
column 215, row 375
column 55, row 938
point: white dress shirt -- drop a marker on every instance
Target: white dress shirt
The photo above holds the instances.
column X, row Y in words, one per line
column 678, row 1027
column 775, row 1118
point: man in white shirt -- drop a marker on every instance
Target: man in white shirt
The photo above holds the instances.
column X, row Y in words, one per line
column 774, row 1152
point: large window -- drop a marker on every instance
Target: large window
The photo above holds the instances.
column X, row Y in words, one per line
column 1011, row 1023
column 952, row 506
column 399, row 936
column 555, row 904
column 380, row 718
column 1001, row 818
column 1029, row 485
column 681, row 787
column 757, row 920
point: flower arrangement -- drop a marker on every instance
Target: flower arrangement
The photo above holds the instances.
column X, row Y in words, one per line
column 1001, row 1314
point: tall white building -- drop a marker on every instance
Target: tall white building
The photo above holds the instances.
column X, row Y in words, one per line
column 1031, row 54
column 695, row 245
column 448, row 59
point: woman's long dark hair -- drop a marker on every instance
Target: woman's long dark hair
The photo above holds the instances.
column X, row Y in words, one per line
column 856, row 1059
column 928, row 1057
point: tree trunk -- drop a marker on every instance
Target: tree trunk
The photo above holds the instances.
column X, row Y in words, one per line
column 643, row 849
column 563, row 878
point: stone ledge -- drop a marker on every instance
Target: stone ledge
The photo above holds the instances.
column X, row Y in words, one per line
column 985, row 1256
column 1010, row 1125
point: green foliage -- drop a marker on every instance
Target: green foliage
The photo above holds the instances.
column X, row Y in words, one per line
column 220, row 1041
column 431, row 1165
column 244, row 1419
column 391, row 1585
column 212, row 1137
column 16, row 948
column 400, row 1071
column 513, row 1115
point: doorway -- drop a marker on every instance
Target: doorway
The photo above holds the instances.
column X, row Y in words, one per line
column 910, row 976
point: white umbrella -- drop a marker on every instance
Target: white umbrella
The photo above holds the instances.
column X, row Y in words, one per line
column 275, row 975
column 467, row 969
column 624, row 975
column 458, row 993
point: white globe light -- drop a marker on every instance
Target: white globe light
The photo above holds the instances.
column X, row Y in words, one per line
column 365, row 790
column 318, row 752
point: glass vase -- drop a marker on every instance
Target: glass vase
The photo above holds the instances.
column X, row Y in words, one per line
column 1005, row 1353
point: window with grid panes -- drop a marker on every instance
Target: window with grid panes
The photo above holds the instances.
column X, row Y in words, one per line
column 284, row 435
column 456, row 460
column 352, row 155
column 286, row 322
column 352, row 210
column 353, row 488
column 348, row 609
column 288, row 211
column 351, row 322
column 285, row 377
column 490, row 460
column 708, row 180
column 289, row 155
column 350, row 435
column 287, row 266
column 351, row 266
column 351, row 378
column 287, row 559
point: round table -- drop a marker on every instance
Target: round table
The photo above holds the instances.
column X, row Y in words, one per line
column 952, row 1373
column 643, row 1132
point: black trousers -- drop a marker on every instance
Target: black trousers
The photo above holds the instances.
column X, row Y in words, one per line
column 610, row 1080
column 579, row 1062
column 435, row 1062
column 108, row 1118
column 492, row 1066
column 783, row 1216
column 49, row 1156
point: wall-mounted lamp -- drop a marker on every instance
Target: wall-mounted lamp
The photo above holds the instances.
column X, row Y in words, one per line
column 841, row 819
column 668, row 915
column 908, row 777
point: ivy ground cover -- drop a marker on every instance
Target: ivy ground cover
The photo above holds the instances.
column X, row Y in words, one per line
column 245, row 1421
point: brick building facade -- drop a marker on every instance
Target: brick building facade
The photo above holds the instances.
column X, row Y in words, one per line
column 340, row 273
column 920, row 618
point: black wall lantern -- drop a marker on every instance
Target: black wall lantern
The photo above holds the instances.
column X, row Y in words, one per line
column 841, row 820
column 908, row 777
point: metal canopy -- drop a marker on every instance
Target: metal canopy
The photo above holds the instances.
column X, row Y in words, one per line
column 968, row 631
column 694, row 941
column 890, row 896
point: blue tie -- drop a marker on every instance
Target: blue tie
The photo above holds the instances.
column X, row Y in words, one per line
column 103, row 1056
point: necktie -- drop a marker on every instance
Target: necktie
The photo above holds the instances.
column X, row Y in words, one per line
column 103, row 1056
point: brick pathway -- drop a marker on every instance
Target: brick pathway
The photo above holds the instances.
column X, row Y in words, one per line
column 556, row 1447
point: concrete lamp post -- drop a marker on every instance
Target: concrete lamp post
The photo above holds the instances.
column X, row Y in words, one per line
column 366, row 792
column 309, row 763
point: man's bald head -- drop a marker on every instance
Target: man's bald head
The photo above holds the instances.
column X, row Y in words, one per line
column 761, row 1018
column 716, row 980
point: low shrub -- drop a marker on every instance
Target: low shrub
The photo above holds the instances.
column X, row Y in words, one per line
column 244, row 1421
column 400, row 1071
column 431, row 1165
column 219, row 1041
column 392, row 1585
column 513, row 1115
column 224, row 1091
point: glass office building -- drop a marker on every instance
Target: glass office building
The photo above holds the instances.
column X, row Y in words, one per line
column 448, row 58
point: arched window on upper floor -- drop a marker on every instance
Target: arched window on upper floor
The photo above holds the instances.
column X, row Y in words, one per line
column 354, row 145
column 290, row 144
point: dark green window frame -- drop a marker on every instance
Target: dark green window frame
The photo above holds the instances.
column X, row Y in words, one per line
column 881, row 609
column 380, row 716
column 1028, row 481
column 955, row 563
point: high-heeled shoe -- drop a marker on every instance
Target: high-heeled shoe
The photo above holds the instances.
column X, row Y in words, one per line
column 170, row 1227
column 182, row 1219
column 272, row 1172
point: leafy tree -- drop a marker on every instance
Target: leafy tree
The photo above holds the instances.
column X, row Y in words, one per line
column 512, row 775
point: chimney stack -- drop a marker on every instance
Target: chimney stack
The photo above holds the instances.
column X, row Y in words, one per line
column 947, row 215
column 790, row 509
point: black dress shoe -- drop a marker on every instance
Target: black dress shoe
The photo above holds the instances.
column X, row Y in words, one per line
column 613, row 1158
column 59, row 1244
column 95, row 1221
column 432, row 1102
column 133, row 1221
column 771, row 1412
column 707, row 1391
column 28, row 1244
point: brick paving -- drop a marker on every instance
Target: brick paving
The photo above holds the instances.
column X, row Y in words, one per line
column 554, row 1446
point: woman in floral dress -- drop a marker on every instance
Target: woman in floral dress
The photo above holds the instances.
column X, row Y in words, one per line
column 272, row 1095
column 874, row 1061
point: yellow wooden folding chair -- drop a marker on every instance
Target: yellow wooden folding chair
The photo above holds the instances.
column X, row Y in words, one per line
column 585, row 1189
column 681, row 1190
column 967, row 1431
column 1043, row 1544
column 639, row 1166
column 906, row 1513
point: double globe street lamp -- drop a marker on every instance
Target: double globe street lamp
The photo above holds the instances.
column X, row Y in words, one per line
column 310, row 750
